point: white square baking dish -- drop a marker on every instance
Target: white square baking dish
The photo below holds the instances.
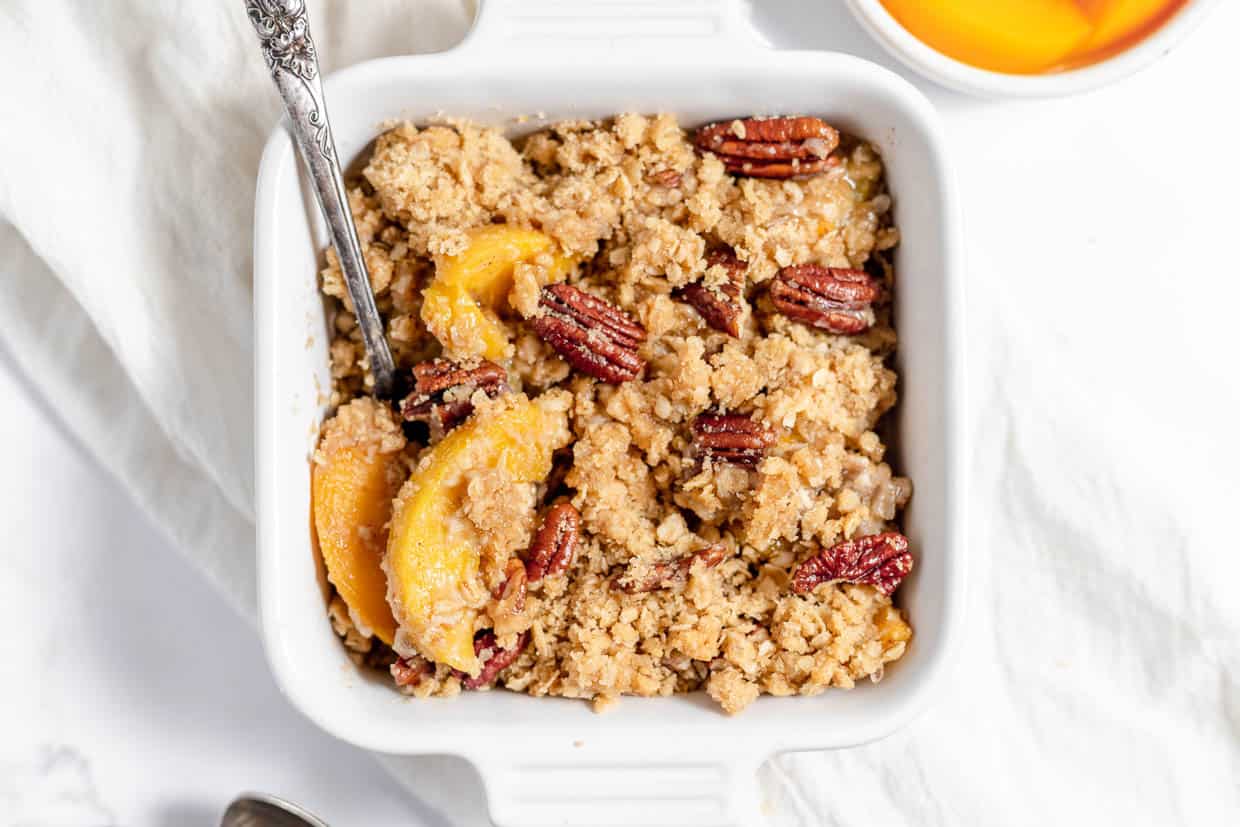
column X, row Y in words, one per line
column 648, row 761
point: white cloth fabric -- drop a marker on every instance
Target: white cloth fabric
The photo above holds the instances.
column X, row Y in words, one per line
column 131, row 134
column 1100, row 681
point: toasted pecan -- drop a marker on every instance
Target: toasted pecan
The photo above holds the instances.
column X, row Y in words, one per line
column 593, row 336
column 720, row 307
column 555, row 544
column 731, row 438
column 674, row 573
column 836, row 299
column 783, row 147
column 881, row 560
column 494, row 659
column 442, row 391
column 411, row 671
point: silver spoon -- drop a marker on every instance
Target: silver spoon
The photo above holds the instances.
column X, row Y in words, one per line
column 284, row 36
column 261, row 810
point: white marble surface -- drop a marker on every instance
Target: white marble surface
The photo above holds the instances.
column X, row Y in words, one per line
column 133, row 694
column 1103, row 291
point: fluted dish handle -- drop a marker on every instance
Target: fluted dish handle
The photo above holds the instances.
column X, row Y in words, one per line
column 568, row 29
column 580, row 790
column 284, row 36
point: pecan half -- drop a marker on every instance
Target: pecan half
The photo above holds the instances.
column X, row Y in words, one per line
column 720, row 307
column 674, row 573
column 408, row 672
column 555, row 544
column 442, row 391
column 792, row 147
column 732, row 438
column 593, row 336
column 494, row 659
column 881, row 560
column 832, row 298
column 666, row 177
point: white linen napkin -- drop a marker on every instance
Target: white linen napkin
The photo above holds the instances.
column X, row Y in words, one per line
column 1100, row 679
column 131, row 135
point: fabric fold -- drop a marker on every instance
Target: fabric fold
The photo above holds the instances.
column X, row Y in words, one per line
column 60, row 351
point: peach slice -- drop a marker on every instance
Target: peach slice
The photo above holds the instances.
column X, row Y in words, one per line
column 1020, row 36
column 462, row 303
column 892, row 627
column 433, row 551
column 1117, row 22
column 356, row 474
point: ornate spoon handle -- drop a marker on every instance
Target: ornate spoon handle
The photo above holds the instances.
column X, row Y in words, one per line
column 284, row 36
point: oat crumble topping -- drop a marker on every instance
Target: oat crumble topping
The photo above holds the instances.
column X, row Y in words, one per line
column 632, row 212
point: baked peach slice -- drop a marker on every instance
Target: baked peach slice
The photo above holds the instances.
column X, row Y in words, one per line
column 433, row 552
column 462, row 304
column 1115, row 21
column 355, row 476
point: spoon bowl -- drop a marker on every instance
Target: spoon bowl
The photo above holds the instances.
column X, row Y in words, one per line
column 262, row 810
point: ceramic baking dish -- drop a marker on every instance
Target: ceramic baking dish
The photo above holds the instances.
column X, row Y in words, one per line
column 675, row 761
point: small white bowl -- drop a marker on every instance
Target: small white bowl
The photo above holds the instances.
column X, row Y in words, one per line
column 951, row 73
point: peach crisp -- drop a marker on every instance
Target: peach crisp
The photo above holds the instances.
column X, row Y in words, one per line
column 638, row 451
